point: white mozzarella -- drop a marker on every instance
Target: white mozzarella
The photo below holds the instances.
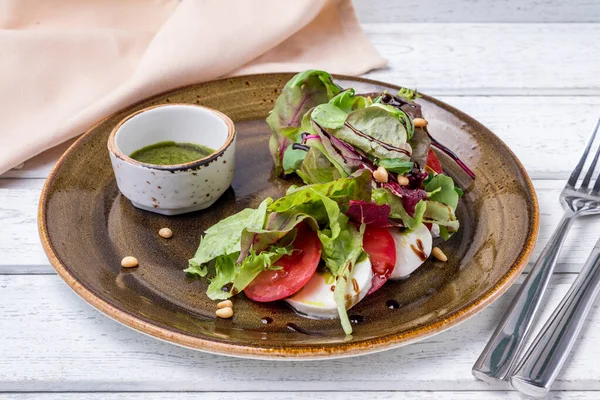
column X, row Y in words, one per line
column 435, row 230
column 316, row 300
column 412, row 249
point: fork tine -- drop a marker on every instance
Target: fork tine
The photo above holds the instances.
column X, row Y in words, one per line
column 592, row 168
column 596, row 188
column 577, row 171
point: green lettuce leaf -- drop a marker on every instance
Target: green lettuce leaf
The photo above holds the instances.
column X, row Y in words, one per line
column 341, row 245
column 279, row 226
column 420, row 144
column 377, row 132
column 224, row 275
column 348, row 102
column 224, row 237
column 333, row 114
column 443, row 215
column 402, row 117
column 384, row 196
column 396, row 165
column 344, row 251
column 337, row 160
column 307, row 200
column 329, row 116
column 238, row 276
column 408, row 94
column 255, row 263
column 292, row 159
column 442, row 188
column 301, row 93
column 317, row 168
column 324, row 146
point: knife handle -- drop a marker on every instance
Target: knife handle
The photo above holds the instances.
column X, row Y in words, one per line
column 543, row 361
column 500, row 354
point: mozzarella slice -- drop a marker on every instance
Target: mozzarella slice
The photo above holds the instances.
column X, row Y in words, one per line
column 316, row 300
column 412, row 249
column 435, row 231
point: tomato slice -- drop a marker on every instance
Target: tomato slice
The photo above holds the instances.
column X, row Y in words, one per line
column 297, row 270
column 381, row 248
column 433, row 162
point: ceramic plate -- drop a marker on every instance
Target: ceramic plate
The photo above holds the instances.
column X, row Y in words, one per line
column 86, row 228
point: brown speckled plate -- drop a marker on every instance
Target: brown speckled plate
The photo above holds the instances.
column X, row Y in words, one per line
column 86, row 227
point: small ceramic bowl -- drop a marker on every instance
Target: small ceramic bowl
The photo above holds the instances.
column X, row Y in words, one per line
column 181, row 188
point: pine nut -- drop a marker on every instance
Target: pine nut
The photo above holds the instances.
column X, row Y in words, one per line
column 439, row 254
column 226, row 312
column 225, row 303
column 129, row 262
column 381, row 175
column 419, row 122
column 402, row 180
column 165, row 232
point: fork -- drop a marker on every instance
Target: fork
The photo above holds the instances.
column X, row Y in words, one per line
column 499, row 356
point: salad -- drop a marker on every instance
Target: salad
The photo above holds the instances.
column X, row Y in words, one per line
column 373, row 192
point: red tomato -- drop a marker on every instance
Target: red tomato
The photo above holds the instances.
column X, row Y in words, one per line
column 297, row 270
column 433, row 162
column 381, row 248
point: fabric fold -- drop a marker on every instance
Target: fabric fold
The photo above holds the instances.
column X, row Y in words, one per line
column 67, row 64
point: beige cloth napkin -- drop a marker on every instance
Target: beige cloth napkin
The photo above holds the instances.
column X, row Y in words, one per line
column 66, row 64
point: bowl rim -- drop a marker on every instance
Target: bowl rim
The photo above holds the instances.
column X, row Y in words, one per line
column 306, row 352
column 114, row 149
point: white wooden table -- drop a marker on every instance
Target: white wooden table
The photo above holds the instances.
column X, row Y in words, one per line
column 529, row 70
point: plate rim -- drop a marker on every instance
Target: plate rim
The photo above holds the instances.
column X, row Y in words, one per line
column 305, row 352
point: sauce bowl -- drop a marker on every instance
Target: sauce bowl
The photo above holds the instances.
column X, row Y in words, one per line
column 180, row 188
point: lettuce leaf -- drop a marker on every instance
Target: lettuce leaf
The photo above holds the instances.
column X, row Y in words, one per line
column 279, row 226
column 224, row 237
column 317, row 168
column 408, row 196
column 301, row 93
column 333, row 114
column 348, row 102
column 443, row 215
column 395, row 165
column 369, row 213
column 255, row 263
column 341, row 154
column 224, row 275
column 292, row 159
column 384, row 196
column 307, row 199
column 377, row 132
column 408, row 94
column 329, row 116
column 341, row 246
column 442, row 203
column 238, row 276
column 442, row 188
column 420, row 144
column 402, row 117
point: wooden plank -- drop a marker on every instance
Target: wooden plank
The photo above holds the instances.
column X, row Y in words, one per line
column 477, row 11
column 535, row 128
column 476, row 59
column 22, row 252
column 485, row 57
column 489, row 395
column 53, row 341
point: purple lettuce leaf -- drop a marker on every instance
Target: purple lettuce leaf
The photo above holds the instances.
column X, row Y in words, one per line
column 369, row 213
column 410, row 197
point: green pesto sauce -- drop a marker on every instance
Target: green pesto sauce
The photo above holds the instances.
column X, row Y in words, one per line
column 171, row 153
